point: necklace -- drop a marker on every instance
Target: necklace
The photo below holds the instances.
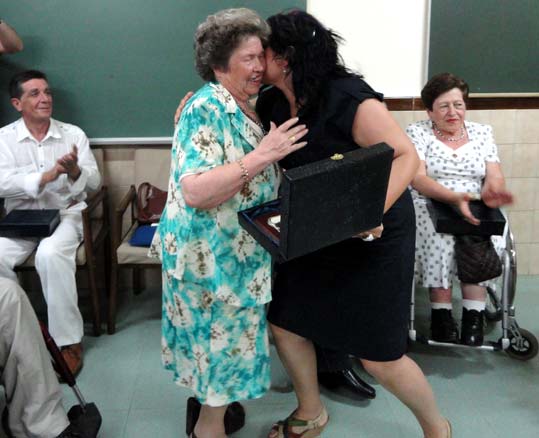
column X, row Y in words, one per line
column 439, row 133
column 252, row 116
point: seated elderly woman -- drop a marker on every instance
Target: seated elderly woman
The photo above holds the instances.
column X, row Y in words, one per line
column 459, row 162
column 216, row 278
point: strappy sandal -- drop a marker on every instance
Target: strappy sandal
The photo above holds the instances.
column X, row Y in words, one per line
column 309, row 428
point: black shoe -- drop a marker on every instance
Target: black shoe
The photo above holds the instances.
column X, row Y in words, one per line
column 234, row 416
column 472, row 327
column 348, row 378
column 443, row 327
column 70, row 432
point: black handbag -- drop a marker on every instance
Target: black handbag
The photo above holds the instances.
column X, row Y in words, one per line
column 477, row 260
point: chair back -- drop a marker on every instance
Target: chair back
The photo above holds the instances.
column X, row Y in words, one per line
column 99, row 156
column 152, row 165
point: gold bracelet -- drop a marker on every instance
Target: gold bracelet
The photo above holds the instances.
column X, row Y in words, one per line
column 244, row 172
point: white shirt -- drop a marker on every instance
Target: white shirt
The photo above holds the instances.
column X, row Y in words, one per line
column 23, row 160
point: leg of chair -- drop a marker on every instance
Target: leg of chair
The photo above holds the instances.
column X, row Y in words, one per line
column 94, row 293
column 107, row 263
column 137, row 281
column 113, row 295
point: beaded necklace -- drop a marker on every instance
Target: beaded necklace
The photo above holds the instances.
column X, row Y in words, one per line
column 439, row 133
column 253, row 116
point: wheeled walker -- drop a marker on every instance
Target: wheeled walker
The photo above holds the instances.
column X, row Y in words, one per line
column 517, row 342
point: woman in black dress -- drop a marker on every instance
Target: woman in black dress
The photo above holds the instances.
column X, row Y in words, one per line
column 353, row 296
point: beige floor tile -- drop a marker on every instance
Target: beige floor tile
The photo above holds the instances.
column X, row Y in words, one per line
column 479, row 116
column 119, row 173
column 527, row 126
column 526, row 160
column 503, row 124
column 524, row 190
column 420, row 115
column 535, row 232
column 521, row 223
column 403, row 118
column 505, row 152
column 523, row 258
column 534, row 259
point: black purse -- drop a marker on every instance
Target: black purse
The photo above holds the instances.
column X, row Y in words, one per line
column 477, row 260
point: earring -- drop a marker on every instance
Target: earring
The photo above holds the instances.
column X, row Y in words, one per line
column 285, row 71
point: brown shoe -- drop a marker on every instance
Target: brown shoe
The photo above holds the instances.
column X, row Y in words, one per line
column 72, row 355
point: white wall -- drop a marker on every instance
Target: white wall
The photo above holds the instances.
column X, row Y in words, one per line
column 386, row 40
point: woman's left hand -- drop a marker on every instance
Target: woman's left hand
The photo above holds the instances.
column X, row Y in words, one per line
column 371, row 235
column 494, row 193
column 496, row 198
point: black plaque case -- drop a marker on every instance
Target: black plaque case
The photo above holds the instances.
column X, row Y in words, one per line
column 447, row 219
column 29, row 223
column 323, row 203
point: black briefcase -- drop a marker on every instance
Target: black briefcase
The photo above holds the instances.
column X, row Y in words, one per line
column 29, row 223
column 447, row 219
column 323, row 203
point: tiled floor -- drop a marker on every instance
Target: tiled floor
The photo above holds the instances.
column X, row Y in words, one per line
column 484, row 394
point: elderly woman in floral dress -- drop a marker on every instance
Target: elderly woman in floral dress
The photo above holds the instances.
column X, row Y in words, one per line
column 216, row 278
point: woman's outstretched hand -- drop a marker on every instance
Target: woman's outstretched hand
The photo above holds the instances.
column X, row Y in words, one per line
column 463, row 206
column 496, row 198
column 282, row 140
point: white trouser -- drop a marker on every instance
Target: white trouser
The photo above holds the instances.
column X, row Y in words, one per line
column 33, row 396
column 55, row 264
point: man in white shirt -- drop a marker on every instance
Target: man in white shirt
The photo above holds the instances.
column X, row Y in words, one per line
column 45, row 163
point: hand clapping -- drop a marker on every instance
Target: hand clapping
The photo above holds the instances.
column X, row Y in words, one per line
column 69, row 164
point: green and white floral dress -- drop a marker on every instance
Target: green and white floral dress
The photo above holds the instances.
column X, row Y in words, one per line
column 216, row 278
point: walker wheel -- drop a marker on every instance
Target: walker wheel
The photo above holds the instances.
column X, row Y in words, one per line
column 524, row 347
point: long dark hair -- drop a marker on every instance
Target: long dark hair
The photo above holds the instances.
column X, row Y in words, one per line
column 312, row 54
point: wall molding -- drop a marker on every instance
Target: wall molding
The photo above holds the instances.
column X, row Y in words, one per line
column 475, row 102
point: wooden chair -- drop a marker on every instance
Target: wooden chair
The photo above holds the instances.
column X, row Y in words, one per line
column 96, row 237
column 153, row 166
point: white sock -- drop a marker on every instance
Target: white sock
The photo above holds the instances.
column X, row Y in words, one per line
column 474, row 305
column 438, row 306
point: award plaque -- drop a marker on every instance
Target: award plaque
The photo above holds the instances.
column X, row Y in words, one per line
column 323, row 203
column 447, row 219
column 29, row 223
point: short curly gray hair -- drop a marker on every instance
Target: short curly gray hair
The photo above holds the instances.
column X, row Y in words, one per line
column 222, row 33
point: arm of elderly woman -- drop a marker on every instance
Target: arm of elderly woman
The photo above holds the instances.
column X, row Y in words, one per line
column 431, row 189
column 493, row 192
column 211, row 188
column 373, row 124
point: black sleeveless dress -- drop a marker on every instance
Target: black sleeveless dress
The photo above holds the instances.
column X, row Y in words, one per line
column 353, row 296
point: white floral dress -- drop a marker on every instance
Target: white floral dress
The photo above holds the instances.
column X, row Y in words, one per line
column 460, row 170
column 216, row 278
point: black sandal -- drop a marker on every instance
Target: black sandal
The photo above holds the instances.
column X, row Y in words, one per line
column 234, row 417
